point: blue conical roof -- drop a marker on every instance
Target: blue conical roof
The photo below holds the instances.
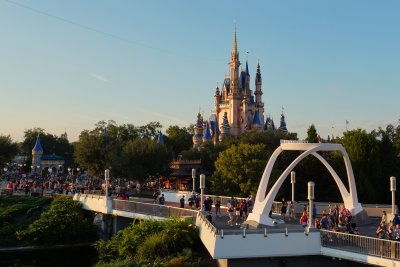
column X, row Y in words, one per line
column 207, row 133
column 247, row 69
column 267, row 123
column 225, row 120
column 256, row 119
column 160, row 138
column 282, row 127
column 38, row 146
column 272, row 125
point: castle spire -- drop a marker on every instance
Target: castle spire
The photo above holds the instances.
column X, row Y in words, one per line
column 234, row 50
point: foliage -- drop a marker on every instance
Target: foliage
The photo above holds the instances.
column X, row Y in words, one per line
column 312, row 136
column 63, row 223
column 16, row 213
column 178, row 139
column 8, row 149
column 149, row 242
column 142, row 158
column 110, row 145
column 242, row 166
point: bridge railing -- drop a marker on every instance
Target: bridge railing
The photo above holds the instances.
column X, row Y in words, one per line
column 361, row 244
column 206, row 222
column 152, row 209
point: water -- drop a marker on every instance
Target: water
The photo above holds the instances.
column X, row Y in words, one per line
column 65, row 257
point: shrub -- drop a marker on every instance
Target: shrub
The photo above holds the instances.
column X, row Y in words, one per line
column 63, row 223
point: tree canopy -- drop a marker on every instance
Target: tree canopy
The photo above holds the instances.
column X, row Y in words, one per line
column 8, row 149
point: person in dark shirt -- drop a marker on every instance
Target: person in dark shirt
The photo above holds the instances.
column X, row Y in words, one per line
column 208, row 204
column 182, row 202
column 161, row 200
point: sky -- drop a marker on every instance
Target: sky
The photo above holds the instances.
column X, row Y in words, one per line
column 65, row 65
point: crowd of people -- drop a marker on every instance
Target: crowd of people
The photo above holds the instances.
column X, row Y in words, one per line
column 338, row 219
column 389, row 230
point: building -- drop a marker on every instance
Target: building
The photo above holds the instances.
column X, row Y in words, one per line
column 181, row 174
column 237, row 108
column 42, row 161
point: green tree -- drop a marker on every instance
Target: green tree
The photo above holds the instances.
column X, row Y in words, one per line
column 103, row 147
column 142, row 158
column 242, row 166
column 178, row 138
column 63, row 223
column 363, row 150
column 8, row 149
column 312, row 134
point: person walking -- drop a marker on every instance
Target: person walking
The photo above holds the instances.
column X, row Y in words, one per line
column 161, row 200
column 182, row 202
column 283, row 208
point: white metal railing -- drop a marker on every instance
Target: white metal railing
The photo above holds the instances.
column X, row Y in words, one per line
column 283, row 141
column 152, row 209
column 206, row 222
column 361, row 244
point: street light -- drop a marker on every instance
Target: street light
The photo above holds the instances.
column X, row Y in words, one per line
column 293, row 181
column 194, row 179
column 311, row 186
column 393, row 189
column 202, row 186
column 107, row 178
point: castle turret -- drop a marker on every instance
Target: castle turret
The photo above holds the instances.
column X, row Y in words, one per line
column 259, row 105
column 37, row 153
column 282, row 126
column 207, row 134
column 198, row 132
column 217, row 98
column 256, row 124
column 235, row 89
column 225, row 127
column 160, row 138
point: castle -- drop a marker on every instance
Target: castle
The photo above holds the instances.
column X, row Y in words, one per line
column 236, row 108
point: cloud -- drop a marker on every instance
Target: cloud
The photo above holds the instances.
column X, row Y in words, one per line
column 99, row 77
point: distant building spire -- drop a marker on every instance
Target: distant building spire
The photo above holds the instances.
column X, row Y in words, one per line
column 160, row 138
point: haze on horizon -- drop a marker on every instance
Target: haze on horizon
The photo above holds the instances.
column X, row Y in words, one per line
column 68, row 64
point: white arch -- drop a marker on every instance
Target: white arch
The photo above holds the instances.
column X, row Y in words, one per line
column 263, row 205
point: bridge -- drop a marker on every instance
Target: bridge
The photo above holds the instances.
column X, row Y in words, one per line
column 226, row 243
column 260, row 236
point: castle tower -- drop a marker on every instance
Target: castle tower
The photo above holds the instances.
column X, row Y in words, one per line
column 282, row 126
column 256, row 124
column 217, row 99
column 198, row 132
column 37, row 153
column 225, row 127
column 259, row 105
column 160, row 138
column 207, row 134
column 235, row 90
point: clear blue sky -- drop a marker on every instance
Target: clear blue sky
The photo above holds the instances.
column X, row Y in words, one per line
column 69, row 64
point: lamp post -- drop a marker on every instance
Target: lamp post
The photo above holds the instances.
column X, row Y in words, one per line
column 202, row 186
column 194, row 179
column 393, row 189
column 293, row 181
column 310, row 198
column 107, row 178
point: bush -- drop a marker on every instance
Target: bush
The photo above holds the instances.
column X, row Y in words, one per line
column 150, row 243
column 16, row 213
column 63, row 223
